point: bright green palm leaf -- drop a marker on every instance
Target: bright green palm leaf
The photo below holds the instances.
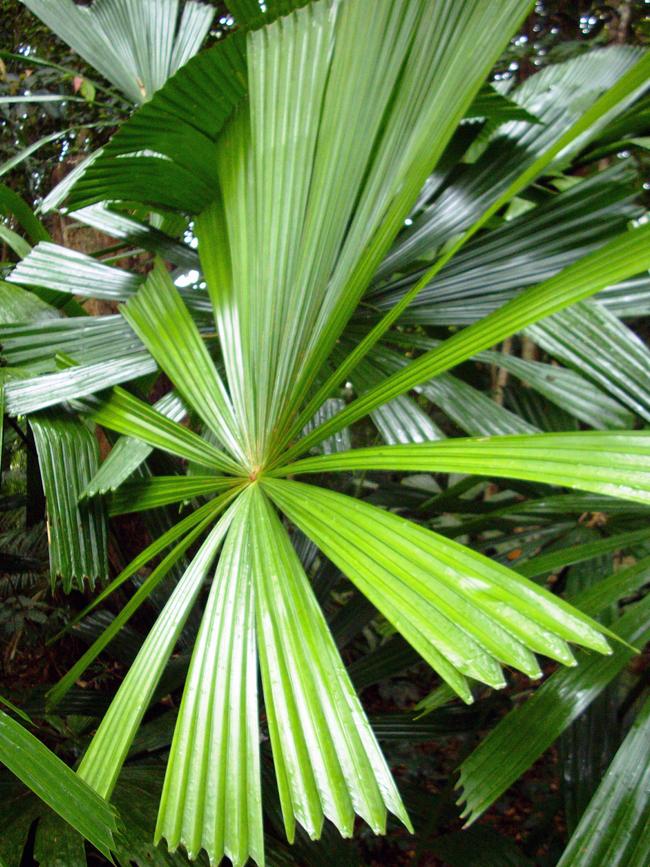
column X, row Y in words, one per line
column 614, row 261
column 464, row 613
column 212, row 793
column 611, row 463
column 57, row 784
column 103, row 759
column 161, row 320
column 531, row 728
column 360, row 148
column 615, row 827
column 327, row 760
column 307, row 184
column 126, row 414
column 311, row 701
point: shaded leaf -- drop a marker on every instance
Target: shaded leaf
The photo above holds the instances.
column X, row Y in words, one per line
column 615, row 828
column 103, row 759
column 568, row 390
column 493, row 267
column 56, row 784
column 135, row 45
column 68, row 456
column 592, row 340
column 568, row 98
column 166, row 150
column 151, row 493
column 615, row 260
column 128, row 453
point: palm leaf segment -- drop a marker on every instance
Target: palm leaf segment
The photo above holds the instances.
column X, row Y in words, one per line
column 316, row 172
column 135, row 44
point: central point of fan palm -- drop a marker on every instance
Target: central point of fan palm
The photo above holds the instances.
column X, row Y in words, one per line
column 254, row 473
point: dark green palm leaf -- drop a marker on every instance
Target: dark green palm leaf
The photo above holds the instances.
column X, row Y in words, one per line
column 58, row 785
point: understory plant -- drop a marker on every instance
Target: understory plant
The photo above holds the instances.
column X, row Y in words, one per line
column 342, row 209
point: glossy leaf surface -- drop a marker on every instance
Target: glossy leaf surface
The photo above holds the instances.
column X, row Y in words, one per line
column 484, row 776
column 57, row 784
column 612, row 463
column 473, row 616
column 68, row 455
column 615, row 828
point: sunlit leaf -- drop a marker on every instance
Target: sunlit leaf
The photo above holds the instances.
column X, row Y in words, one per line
column 462, row 612
column 612, row 463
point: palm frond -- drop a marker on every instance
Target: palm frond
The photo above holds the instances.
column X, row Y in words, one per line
column 57, row 784
column 68, row 456
column 484, row 776
column 625, row 255
column 593, row 341
column 615, row 827
column 135, row 44
column 611, row 463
